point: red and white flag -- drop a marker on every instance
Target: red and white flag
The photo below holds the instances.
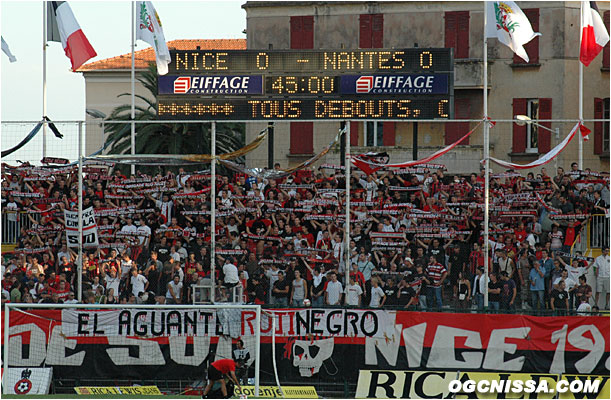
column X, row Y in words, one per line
column 594, row 35
column 63, row 27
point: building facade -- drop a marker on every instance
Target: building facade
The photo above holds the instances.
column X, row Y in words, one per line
column 544, row 88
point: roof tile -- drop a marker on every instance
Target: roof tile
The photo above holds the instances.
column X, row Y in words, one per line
column 146, row 56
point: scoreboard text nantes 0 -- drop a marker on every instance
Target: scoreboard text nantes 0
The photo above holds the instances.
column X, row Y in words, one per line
column 406, row 84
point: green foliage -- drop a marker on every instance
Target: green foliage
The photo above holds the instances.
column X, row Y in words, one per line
column 165, row 138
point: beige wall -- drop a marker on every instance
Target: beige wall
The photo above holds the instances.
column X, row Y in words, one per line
column 102, row 90
column 407, row 23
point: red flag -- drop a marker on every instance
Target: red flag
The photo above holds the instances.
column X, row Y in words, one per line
column 594, row 35
column 364, row 166
column 75, row 43
column 585, row 132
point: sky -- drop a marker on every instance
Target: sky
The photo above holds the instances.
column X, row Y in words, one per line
column 107, row 26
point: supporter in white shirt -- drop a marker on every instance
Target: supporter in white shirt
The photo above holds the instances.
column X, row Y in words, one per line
column 333, row 291
column 584, row 308
column 387, row 226
column 231, row 273
column 602, row 276
column 174, row 254
column 370, row 185
column 174, row 293
column 129, row 227
column 567, row 280
column 139, row 282
column 377, row 294
column 71, row 299
column 353, row 293
column 145, row 233
column 182, row 252
column 126, row 265
column 112, row 281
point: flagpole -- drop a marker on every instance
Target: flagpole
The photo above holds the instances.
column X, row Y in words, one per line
column 79, row 268
column 213, row 210
column 580, row 92
column 347, row 228
column 486, row 160
column 133, row 82
column 44, row 78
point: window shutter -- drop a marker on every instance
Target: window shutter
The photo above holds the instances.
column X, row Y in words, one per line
column 377, row 31
column 296, row 29
column 388, row 133
column 545, row 112
column 302, row 138
column 462, row 35
column 456, row 130
column 354, row 133
column 606, row 48
column 308, row 32
column 519, row 132
column 532, row 47
column 450, row 31
column 598, row 126
column 302, row 32
column 365, row 34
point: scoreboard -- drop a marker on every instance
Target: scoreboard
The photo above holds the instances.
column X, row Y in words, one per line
column 405, row 84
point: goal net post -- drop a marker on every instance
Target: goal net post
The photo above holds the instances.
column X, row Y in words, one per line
column 137, row 342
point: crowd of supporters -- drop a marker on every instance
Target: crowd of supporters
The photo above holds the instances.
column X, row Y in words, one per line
column 416, row 238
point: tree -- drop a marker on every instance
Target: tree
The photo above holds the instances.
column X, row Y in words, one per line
column 165, row 138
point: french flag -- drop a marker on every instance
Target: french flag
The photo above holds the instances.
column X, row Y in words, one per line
column 63, row 27
column 594, row 35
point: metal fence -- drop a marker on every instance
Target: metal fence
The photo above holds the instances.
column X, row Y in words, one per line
column 398, row 141
column 13, row 221
column 599, row 231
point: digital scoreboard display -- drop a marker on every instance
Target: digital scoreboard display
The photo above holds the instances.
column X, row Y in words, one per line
column 389, row 107
column 310, row 61
column 405, row 84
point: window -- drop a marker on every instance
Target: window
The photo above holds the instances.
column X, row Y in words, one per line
column 532, row 47
column 532, row 130
column 601, row 129
column 302, row 133
column 606, row 126
column 374, row 133
column 354, row 133
column 379, row 133
column 302, row 32
column 371, row 31
column 531, row 138
column 457, row 32
column 302, row 138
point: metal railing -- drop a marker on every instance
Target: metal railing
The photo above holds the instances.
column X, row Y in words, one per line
column 599, row 231
column 581, row 241
column 202, row 293
column 12, row 222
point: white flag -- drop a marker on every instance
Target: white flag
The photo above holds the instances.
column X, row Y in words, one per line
column 148, row 29
column 7, row 51
column 508, row 23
